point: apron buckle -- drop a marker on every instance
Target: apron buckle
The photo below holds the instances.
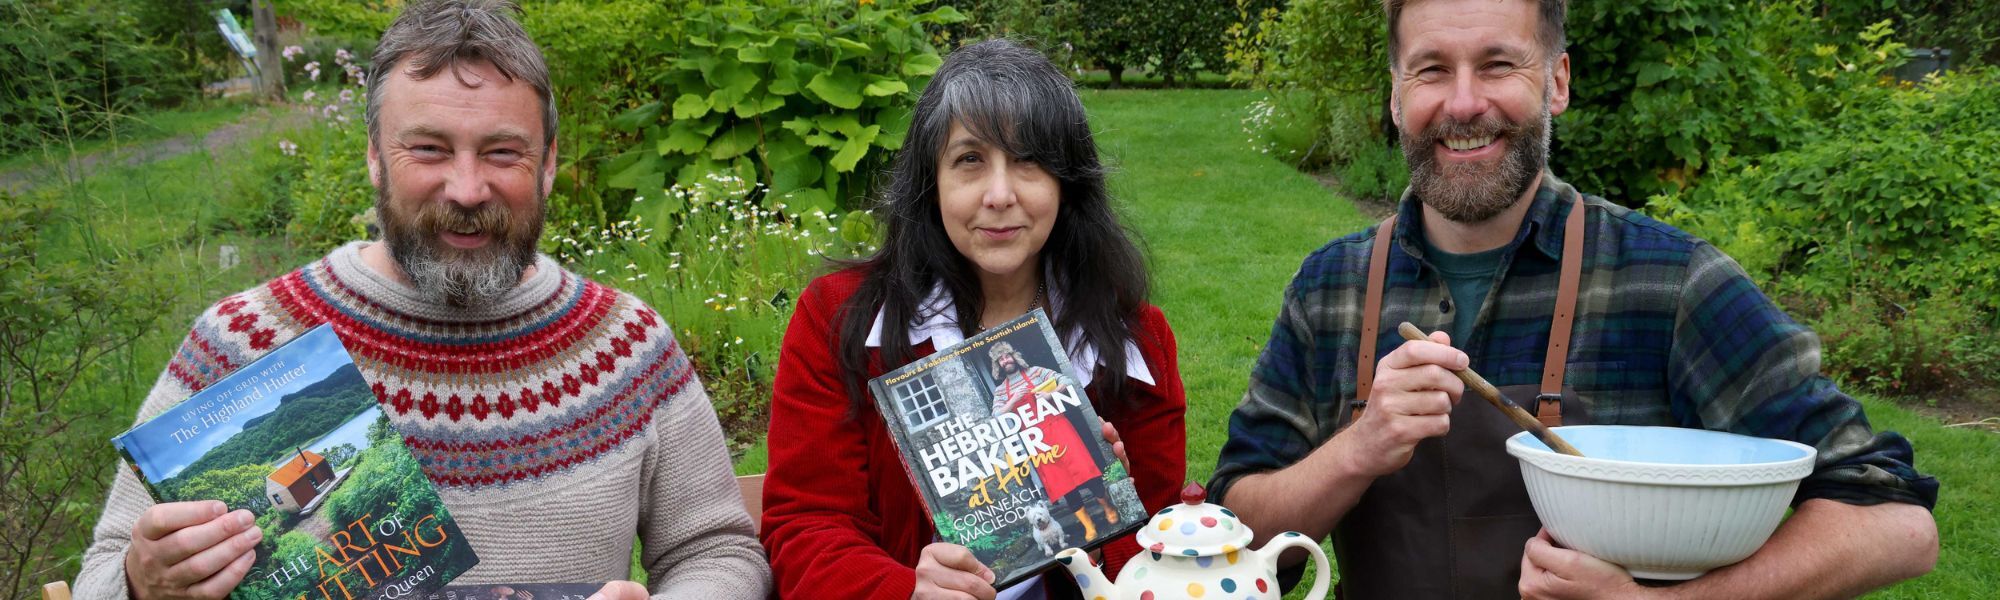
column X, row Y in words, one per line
column 1548, row 409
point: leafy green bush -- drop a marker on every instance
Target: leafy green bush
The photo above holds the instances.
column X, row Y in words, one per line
column 724, row 268
column 1053, row 27
column 327, row 195
column 1971, row 30
column 806, row 98
column 70, row 70
column 1880, row 226
column 66, row 313
column 1327, row 62
column 1173, row 38
column 1377, row 174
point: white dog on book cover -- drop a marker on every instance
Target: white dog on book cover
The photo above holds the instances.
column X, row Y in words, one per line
column 1048, row 534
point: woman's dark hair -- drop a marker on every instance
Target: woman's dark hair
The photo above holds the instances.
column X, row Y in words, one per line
column 1012, row 98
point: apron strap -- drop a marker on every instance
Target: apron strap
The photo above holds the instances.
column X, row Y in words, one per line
column 1554, row 363
column 1550, row 409
column 1371, row 317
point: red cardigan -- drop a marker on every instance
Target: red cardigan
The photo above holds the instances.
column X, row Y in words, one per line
column 841, row 518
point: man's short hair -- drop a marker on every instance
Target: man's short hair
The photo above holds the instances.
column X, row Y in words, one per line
column 432, row 35
column 1551, row 34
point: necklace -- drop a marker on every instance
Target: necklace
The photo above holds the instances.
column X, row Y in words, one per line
column 1039, row 301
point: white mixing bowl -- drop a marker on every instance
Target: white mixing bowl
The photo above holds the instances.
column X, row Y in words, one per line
column 1663, row 502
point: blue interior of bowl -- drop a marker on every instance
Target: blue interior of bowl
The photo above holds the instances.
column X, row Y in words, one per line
column 1670, row 445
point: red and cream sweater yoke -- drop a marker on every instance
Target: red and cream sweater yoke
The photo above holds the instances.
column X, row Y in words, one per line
column 481, row 402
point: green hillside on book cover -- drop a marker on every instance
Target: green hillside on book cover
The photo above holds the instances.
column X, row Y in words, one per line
column 297, row 439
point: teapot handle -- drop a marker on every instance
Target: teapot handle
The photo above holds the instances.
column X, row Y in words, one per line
column 1290, row 539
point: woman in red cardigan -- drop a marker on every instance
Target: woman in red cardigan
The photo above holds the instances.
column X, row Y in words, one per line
column 996, row 206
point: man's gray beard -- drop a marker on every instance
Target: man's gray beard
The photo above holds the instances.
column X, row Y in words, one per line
column 456, row 283
column 460, row 283
column 1470, row 192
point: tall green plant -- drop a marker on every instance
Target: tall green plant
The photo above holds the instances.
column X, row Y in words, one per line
column 64, row 312
column 70, row 70
column 802, row 97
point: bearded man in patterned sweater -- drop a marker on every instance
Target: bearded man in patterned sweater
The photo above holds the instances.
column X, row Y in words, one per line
column 558, row 417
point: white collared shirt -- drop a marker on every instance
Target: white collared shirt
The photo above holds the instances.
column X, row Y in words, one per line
column 937, row 321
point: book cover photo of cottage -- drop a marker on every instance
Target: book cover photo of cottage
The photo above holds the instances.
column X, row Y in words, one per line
column 1007, row 450
column 297, row 439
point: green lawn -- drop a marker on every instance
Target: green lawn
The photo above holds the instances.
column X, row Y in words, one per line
column 1226, row 227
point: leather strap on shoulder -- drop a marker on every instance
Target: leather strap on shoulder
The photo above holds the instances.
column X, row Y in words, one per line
column 1557, row 359
column 1371, row 316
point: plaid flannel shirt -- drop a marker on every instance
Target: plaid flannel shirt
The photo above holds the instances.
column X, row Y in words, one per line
column 1669, row 331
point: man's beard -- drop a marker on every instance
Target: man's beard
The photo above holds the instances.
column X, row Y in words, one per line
column 457, row 277
column 1474, row 192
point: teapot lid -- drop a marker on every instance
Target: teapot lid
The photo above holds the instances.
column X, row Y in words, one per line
column 1194, row 528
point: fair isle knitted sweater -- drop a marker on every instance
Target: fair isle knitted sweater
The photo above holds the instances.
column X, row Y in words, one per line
column 557, row 425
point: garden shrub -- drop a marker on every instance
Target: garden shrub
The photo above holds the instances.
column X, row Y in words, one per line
column 71, row 70
column 1376, row 174
column 1169, row 38
column 1053, row 27
column 806, row 98
column 1328, row 65
column 724, row 267
column 1880, row 226
column 328, row 195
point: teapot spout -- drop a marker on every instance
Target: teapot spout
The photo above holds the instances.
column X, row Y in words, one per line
column 1089, row 577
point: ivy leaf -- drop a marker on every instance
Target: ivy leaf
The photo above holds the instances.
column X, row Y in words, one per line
column 690, row 106
column 840, row 87
column 885, row 86
column 852, row 150
column 639, row 116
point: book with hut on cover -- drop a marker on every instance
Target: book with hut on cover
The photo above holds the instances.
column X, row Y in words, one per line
column 1006, row 450
column 297, row 438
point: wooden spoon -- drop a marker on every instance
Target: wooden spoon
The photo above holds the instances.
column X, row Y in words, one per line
column 1492, row 396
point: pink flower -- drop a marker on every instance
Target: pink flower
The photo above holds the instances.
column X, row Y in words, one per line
column 347, row 95
column 308, row 97
column 291, row 52
column 287, row 147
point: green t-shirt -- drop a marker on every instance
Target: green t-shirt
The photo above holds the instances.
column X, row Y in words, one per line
column 1468, row 277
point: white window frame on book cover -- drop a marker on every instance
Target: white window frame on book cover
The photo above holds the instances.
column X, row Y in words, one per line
column 918, row 396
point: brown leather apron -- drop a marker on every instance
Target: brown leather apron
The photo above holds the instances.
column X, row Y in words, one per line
column 1452, row 523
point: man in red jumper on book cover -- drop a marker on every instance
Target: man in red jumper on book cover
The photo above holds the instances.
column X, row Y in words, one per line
column 558, row 417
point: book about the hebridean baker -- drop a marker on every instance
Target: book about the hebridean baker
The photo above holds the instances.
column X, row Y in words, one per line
column 297, row 438
column 1006, row 450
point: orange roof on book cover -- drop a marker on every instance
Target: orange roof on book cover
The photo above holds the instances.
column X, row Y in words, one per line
column 301, row 463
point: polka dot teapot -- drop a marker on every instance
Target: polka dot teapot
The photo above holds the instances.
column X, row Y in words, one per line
column 1196, row 550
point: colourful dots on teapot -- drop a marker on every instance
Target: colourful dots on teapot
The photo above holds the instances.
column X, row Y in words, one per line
column 1229, row 585
column 1261, row 586
column 1208, row 521
column 1188, row 529
column 1229, row 554
column 1196, row 591
column 1166, row 524
column 1204, row 561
